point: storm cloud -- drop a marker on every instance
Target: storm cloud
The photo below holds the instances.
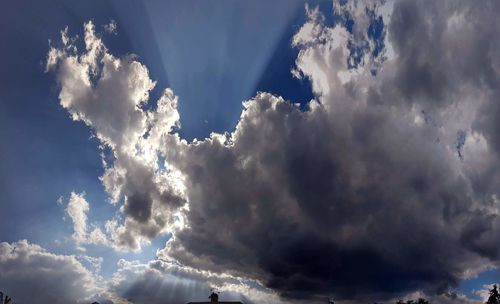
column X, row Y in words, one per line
column 384, row 185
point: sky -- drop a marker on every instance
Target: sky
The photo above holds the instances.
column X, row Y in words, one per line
column 286, row 152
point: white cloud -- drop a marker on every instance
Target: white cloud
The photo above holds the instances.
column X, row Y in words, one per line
column 112, row 106
column 29, row 273
column 108, row 94
column 77, row 210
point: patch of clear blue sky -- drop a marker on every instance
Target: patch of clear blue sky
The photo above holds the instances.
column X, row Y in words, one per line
column 471, row 285
column 213, row 54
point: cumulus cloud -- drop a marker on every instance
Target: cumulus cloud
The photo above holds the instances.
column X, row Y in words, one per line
column 108, row 94
column 29, row 273
column 363, row 195
column 77, row 210
column 387, row 183
column 112, row 104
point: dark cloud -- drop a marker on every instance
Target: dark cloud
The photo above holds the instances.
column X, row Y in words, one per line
column 355, row 197
column 138, row 206
column 313, row 213
column 442, row 46
column 362, row 195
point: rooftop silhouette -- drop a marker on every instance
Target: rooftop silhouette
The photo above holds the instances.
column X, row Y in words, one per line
column 214, row 299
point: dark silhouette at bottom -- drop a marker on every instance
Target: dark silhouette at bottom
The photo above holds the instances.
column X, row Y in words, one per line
column 214, row 299
column 494, row 297
column 6, row 300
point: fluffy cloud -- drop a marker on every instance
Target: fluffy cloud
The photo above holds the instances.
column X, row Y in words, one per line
column 362, row 195
column 315, row 212
column 77, row 210
column 108, row 94
column 386, row 184
column 29, row 273
column 110, row 105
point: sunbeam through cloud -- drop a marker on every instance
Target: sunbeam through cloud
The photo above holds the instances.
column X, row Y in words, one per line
column 341, row 151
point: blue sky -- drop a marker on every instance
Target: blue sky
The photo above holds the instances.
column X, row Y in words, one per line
column 215, row 55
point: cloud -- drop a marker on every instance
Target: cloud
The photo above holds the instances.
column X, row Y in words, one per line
column 161, row 281
column 112, row 104
column 445, row 298
column 108, row 94
column 366, row 194
column 316, row 213
column 29, row 273
column 77, row 210
column 94, row 262
column 360, row 196
column 110, row 28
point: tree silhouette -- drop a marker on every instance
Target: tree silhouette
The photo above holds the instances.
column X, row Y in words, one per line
column 5, row 300
column 494, row 297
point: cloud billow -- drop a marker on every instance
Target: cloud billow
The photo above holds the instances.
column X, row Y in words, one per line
column 362, row 195
column 29, row 273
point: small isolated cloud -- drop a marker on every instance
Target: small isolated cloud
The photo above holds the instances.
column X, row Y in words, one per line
column 111, row 27
column 77, row 210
